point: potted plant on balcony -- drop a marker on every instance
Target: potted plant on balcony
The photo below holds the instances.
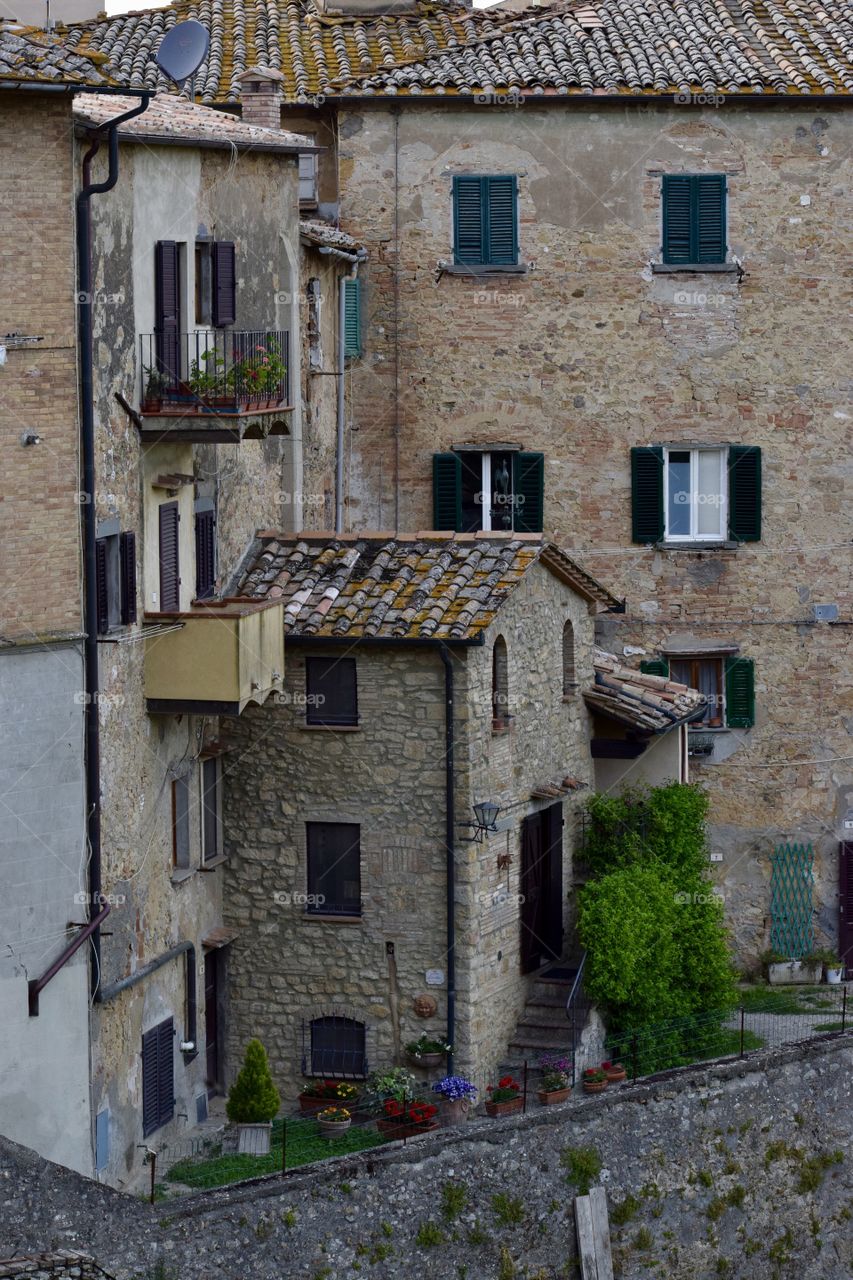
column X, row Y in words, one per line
column 456, row 1098
column 156, row 383
column 427, row 1050
column 321, row 1093
column 556, row 1082
column 333, row 1121
column 253, row 1101
column 504, row 1097
column 594, row 1080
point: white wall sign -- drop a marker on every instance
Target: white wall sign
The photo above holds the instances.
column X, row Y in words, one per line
column 435, row 977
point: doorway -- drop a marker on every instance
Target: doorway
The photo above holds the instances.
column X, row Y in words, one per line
column 542, row 888
column 214, row 988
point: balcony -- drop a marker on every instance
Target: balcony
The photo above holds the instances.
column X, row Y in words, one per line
column 214, row 385
column 215, row 658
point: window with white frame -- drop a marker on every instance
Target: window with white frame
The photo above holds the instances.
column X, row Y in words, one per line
column 308, row 176
column 695, row 494
column 210, row 771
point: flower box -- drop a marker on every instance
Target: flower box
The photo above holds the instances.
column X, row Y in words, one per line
column 254, row 1139
column 507, row 1108
column 594, row 1086
column 615, row 1072
column 549, row 1097
column 394, row 1130
column 794, row 973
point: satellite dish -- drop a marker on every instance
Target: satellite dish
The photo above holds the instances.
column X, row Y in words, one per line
column 182, row 51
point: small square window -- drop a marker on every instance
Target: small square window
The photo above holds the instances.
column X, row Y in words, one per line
column 331, row 694
column 706, row 675
column 338, row 1047
column 180, row 824
column 211, row 808
column 308, row 170
column 334, row 868
column 695, row 498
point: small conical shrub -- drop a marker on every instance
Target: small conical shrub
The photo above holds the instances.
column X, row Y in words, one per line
column 253, row 1098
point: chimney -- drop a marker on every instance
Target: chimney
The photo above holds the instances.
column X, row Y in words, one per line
column 260, row 91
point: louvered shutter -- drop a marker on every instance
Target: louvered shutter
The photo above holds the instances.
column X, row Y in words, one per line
column 150, row 1096
column 165, row 1072
column 710, row 217
column 502, row 236
column 469, row 241
column 655, row 667
column 205, row 554
column 845, row 905
column 352, row 318
column 740, row 693
column 446, row 491
column 331, row 691
column 167, row 308
column 647, row 494
column 170, row 581
column 127, row 558
column 677, row 221
column 224, row 283
column 528, row 486
column 102, row 601
column 744, row 493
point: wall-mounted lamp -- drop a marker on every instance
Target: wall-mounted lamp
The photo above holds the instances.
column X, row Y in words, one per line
column 30, row 437
column 486, row 814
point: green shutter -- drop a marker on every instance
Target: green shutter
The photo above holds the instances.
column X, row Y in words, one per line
column 352, row 318
column 446, row 491
column 745, row 493
column 647, row 494
column 468, row 221
column 502, row 233
column 528, row 492
column 694, row 218
column 740, row 693
column 655, row 667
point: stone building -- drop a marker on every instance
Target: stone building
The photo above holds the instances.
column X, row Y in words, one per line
column 424, row 676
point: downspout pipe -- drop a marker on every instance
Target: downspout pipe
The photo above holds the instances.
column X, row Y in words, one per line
column 449, row 843
column 354, row 259
column 87, row 505
column 182, row 948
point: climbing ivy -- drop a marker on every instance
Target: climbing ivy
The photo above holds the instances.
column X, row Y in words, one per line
column 663, row 824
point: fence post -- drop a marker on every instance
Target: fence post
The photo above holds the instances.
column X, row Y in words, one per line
column 741, row 1029
column 524, row 1077
column 284, row 1144
column 153, row 1173
column 844, row 1009
column 634, row 1056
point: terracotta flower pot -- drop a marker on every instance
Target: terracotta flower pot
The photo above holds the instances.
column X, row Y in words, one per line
column 307, row 1102
column 453, row 1111
column 394, row 1130
column 505, row 1108
column 426, row 1059
column 548, row 1097
column 615, row 1075
column 594, row 1086
column 332, row 1128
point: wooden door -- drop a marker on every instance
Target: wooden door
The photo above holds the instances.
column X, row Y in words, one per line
column 211, row 1019
column 845, row 905
column 541, row 888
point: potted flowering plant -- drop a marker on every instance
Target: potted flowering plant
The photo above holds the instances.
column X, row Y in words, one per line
column 594, row 1080
column 332, row 1121
column 457, row 1097
column 556, row 1083
column 427, row 1050
column 320, row 1093
column 504, row 1097
column 614, row 1071
column 406, row 1119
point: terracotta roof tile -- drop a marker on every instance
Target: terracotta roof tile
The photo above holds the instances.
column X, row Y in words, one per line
column 323, row 233
column 31, row 56
column 422, row 587
column 176, row 120
column 643, row 701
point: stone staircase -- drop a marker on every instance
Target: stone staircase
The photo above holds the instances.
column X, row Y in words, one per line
column 543, row 1026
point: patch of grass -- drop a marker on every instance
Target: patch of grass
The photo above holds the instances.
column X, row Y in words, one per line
column 828, row 1026
column 264, row 1229
column 812, row 1171
column 745, row 1127
column 454, row 1199
column 705, row 1177
column 624, row 1211
column 780, row 1250
column 506, row 1270
column 508, row 1210
column 775, row 1151
column 386, row 1229
column 736, row 1197
column 304, row 1146
column 731, row 1166
column 476, row 1235
column 290, row 1217
column 583, row 1165
column 724, row 1267
column 430, row 1235
column 716, row 1208
column 766, row 999
column 643, row 1240
column 346, row 1188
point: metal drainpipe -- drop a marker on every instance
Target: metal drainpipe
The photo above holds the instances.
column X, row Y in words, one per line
column 87, row 449
column 355, row 259
column 183, row 948
column 449, row 843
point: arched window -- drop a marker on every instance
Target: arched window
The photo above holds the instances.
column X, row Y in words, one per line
column 569, row 675
column 338, row 1047
column 500, row 685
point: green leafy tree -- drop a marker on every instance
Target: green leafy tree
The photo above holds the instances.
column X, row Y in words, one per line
column 647, row 824
column 253, row 1098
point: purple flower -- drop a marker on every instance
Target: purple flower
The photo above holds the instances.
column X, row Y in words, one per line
column 455, row 1087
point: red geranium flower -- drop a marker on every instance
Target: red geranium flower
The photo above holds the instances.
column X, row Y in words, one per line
column 505, row 1082
column 393, row 1108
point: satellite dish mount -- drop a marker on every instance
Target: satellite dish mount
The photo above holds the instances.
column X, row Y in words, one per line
column 182, row 51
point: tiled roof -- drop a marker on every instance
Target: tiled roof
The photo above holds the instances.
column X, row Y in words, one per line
column 177, row 120
column 645, row 702
column 422, row 586
column 30, row 56
column 624, row 47
column 323, row 233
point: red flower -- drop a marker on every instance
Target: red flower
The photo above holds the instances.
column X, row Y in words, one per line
column 605, row 1066
column 506, row 1082
column 393, row 1107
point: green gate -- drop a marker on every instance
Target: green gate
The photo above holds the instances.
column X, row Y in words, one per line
column 791, row 909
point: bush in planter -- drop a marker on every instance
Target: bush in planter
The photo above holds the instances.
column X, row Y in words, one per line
column 253, row 1098
column 427, row 1046
column 556, row 1073
column 396, row 1083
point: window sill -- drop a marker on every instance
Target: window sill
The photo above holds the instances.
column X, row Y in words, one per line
column 331, row 728
column 478, row 269
column 182, row 875
column 319, row 917
column 695, row 268
column 721, row 544
column 212, row 863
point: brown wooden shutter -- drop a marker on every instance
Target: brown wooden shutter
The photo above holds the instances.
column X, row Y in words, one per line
column 167, row 308
column 205, row 554
column 331, row 691
column 170, row 581
column 224, row 283
column 102, row 608
column 127, row 555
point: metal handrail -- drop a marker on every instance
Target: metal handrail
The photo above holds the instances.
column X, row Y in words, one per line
column 577, row 1008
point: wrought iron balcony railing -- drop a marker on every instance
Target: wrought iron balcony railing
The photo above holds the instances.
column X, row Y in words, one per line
column 214, row 371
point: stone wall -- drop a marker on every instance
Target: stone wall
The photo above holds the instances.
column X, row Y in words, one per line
column 590, row 353
column 738, row 1170
column 319, row 387
column 64, row 1265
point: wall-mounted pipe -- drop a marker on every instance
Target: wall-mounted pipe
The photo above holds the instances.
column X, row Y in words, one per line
column 35, row 986
column 109, row 992
column 355, row 259
column 449, row 844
